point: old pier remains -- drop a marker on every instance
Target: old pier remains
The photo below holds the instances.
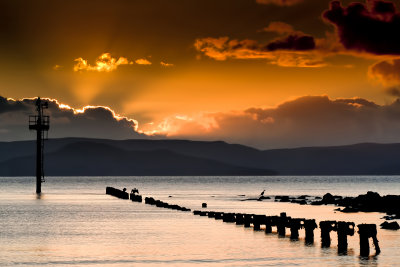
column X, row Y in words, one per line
column 343, row 229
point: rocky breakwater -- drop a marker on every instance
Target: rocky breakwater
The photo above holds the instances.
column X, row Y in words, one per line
column 370, row 202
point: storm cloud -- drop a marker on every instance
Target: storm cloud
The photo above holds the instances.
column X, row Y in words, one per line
column 371, row 28
column 91, row 121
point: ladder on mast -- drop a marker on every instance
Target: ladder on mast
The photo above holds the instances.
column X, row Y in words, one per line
column 41, row 124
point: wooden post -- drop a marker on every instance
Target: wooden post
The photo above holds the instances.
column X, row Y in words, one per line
column 295, row 225
column 281, row 224
column 247, row 220
column 343, row 230
column 309, row 226
column 268, row 225
column 326, row 228
column 366, row 231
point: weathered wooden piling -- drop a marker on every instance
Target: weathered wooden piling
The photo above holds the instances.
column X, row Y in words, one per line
column 295, row 224
column 281, row 224
column 134, row 197
column 268, row 224
column 228, row 217
column 159, row 203
column 343, row 230
column 149, row 200
column 219, row 215
column 239, row 219
column 248, row 219
column 366, row 231
column 326, row 228
column 116, row 192
column 309, row 226
column 257, row 221
column 211, row 214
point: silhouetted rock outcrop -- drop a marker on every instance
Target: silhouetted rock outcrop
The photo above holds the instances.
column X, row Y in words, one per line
column 369, row 202
column 390, row 225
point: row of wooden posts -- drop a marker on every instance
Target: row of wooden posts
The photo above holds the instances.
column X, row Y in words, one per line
column 281, row 222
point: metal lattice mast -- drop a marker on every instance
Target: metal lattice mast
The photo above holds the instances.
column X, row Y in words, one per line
column 41, row 124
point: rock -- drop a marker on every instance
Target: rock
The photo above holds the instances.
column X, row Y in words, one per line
column 299, row 201
column 349, row 209
column 388, row 217
column 284, row 199
column 390, row 225
column 303, row 197
column 316, row 203
column 328, row 199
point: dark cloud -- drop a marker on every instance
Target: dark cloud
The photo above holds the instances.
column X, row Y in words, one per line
column 306, row 121
column 393, row 91
column 293, row 42
column 371, row 28
column 95, row 122
column 386, row 72
column 286, row 51
column 10, row 106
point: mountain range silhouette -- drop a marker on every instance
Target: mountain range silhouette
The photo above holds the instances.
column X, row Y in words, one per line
column 101, row 157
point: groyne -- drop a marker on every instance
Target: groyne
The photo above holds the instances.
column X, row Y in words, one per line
column 281, row 223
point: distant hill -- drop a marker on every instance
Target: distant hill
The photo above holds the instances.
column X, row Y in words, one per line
column 83, row 156
column 90, row 158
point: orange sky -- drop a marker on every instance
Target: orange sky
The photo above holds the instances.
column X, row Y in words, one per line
column 155, row 60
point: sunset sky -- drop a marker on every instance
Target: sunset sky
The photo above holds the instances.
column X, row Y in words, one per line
column 265, row 73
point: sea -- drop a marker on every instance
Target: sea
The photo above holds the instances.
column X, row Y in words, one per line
column 74, row 223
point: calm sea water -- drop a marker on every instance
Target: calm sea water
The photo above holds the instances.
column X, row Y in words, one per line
column 75, row 223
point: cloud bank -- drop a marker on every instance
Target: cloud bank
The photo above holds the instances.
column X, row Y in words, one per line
column 91, row 121
column 305, row 121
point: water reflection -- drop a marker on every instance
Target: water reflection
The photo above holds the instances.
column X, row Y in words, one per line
column 369, row 261
column 79, row 225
